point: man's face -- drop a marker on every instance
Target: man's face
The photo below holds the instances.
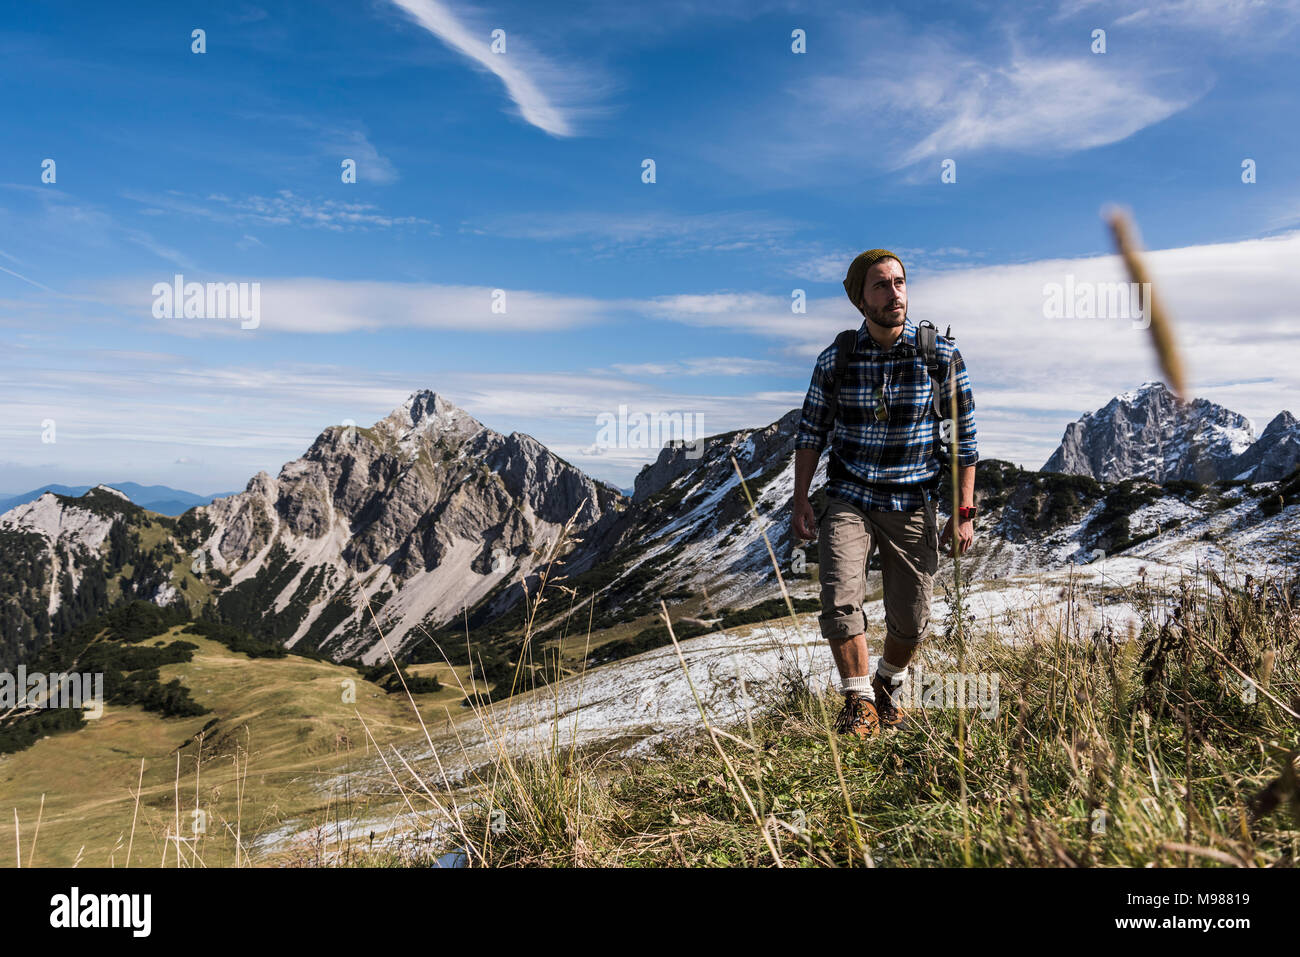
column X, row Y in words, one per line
column 884, row 294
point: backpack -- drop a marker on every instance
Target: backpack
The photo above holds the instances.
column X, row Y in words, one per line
column 926, row 342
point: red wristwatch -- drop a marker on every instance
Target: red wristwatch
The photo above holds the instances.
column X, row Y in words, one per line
column 967, row 514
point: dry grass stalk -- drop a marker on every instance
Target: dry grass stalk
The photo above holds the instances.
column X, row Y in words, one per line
column 1161, row 325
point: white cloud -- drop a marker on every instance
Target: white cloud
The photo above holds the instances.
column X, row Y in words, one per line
column 249, row 418
column 713, row 365
column 1237, row 316
column 931, row 102
column 763, row 315
column 333, row 306
column 1045, row 105
column 884, row 95
column 535, row 85
column 1238, row 324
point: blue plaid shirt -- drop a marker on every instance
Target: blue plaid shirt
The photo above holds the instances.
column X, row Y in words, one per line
column 882, row 466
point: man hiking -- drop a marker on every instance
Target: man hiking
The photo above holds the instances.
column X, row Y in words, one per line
column 888, row 449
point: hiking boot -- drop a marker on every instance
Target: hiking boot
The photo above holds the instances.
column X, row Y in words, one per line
column 858, row 716
column 889, row 714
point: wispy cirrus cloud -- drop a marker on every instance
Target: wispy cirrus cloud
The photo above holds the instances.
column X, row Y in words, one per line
column 145, row 240
column 1041, row 105
column 327, row 139
column 18, row 275
column 57, row 221
column 934, row 101
column 885, row 94
column 283, row 208
column 545, row 94
column 353, row 144
column 664, row 231
column 1267, row 19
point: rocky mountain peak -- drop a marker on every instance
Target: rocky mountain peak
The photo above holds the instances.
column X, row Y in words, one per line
column 261, row 484
column 1151, row 391
column 428, row 512
column 754, row 448
column 425, row 404
column 110, row 491
column 426, row 413
column 1275, row 454
column 1283, row 420
column 1147, row 433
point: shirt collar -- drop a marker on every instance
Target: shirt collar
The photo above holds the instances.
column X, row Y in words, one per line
column 907, row 338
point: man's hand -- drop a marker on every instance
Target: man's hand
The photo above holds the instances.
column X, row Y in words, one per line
column 803, row 519
column 965, row 535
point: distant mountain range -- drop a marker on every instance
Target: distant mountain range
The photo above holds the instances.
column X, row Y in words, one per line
column 432, row 528
column 156, row 498
column 1147, row 433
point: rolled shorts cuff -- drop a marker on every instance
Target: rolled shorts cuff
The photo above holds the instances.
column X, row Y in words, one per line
column 842, row 626
column 911, row 642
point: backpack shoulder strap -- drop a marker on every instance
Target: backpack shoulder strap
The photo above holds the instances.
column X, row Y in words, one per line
column 845, row 343
column 927, row 347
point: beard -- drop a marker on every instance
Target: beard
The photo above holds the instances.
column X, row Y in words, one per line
column 886, row 317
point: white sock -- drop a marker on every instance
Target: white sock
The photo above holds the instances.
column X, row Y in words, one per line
column 891, row 675
column 861, row 685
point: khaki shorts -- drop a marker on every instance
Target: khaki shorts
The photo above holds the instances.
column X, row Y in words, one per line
column 908, row 543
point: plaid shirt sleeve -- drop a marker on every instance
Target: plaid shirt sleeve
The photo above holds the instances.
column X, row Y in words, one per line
column 815, row 424
column 967, row 453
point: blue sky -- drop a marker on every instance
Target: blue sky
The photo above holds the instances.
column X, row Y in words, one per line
column 522, row 171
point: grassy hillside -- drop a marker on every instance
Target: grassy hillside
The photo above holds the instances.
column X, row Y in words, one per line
column 142, row 552
column 279, row 749
column 1144, row 748
column 218, row 747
